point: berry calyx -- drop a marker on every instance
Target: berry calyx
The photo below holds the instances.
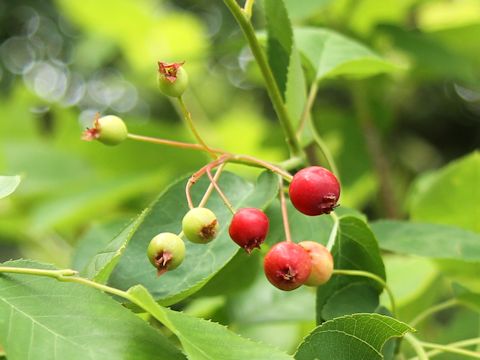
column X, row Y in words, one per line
column 200, row 225
column 172, row 79
column 314, row 191
column 109, row 129
column 166, row 251
column 249, row 228
column 322, row 263
column 287, row 265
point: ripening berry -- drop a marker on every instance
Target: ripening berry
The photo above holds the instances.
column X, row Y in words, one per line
column 287, row 265
column 249, row 228
column 166, row 251
column 314, row 191
column 200, row 225
column 322, row 263
column 172, row 79
column 109, row 129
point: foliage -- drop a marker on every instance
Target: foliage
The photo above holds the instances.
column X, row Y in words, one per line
column 386, row 96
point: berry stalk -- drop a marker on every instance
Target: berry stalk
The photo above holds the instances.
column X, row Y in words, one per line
column 283, row 206
column 188, row 119
column 207, row 194
column 220, row 192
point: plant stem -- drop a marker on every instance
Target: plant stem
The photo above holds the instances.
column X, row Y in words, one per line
column 247, row 8
column 432, row 310
column 283, row 206
column 210, row 186
column 292, row 163
column 312, row 94
column 172, row 143
column 66, row 275
column 450, row 349
column 197, row 175
column 188, row 118
column 247, row 158
column 373, row 277
column 458, row 344
column 271, row 85
column 220, row 192
column 417, row 346
column 333, row 233
column 324, row 149
column 234, row 158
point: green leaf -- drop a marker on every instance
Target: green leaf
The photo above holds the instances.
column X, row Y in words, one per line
column 296, row 95
column 330, row 54
column 276, row 306
column 279, row 41
column 202, row 339
column 355, row 248
column 450, row 195
column 430, row 240
column 202, row 261
column 358, row 336
column 43, row 319
column 340, row 303
column 104, row 262
column 94, row 240
column 8, row 184
column 467, row 297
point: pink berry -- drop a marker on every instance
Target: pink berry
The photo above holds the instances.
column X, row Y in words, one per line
column 322, row 263
column 249, row 228
column 287, row 265
column 314, row 191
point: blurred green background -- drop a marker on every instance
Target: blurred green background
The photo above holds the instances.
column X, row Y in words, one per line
column 62, row 61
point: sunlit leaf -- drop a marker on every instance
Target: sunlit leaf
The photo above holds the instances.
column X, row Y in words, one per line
column 8, row 185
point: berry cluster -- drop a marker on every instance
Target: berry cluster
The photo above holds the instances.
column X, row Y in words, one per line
column 313, row 191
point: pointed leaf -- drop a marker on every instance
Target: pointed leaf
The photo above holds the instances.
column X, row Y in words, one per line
column 44, row 319
column 450, row 195
column 355, row 248
column 430, row 240
column 358, row 336
column 202, row 339
column 104, row 262
column 330, row 54
column 279, row 41
column 202, row 261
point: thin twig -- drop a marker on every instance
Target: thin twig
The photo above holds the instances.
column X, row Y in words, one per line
column 188, row 118
column 283, row 206
column 372, row 276
column 207, row 194
column 222, row 195
column 312, row 94
column 333, row 233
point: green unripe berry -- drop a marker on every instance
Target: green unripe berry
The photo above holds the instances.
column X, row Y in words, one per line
column 112, row 130
column 166, row 251
column 172, row 79
column 200, row 225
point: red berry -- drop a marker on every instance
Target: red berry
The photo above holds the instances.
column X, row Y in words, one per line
column 322, row 263
column 287, row 265
column 314, row 191
column 249, row 228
